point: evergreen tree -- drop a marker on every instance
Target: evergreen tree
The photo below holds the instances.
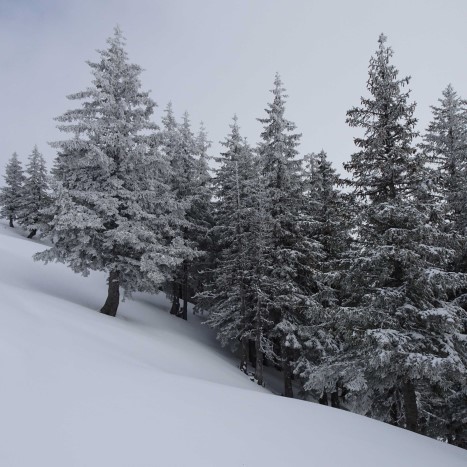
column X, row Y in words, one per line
column 179, row 144
column 233, row 297
column 445, row 145
column 113, row 209
column 11, row 193
column 35, row 197
column 201, row 214
column 404, row 334
column 290, row 300
column 329, row 214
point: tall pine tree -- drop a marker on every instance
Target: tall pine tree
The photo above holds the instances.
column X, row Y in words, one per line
column 329, row 213
column 35, row 194
column 290, row 301
column 445, row 145
column 11, row 193
column 113, row 210
column 404, row 334
column 231, row 296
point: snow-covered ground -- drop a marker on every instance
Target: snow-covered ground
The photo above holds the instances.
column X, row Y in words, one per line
column 145, row 389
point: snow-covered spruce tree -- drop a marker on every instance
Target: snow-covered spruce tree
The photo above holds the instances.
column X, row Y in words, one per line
column 11, row 193
column 179, row 145
column 201, row 215
column 231, row 296
column 404, row 333
column 114, row 210
column 291, row 302
column 329, row 215
column 35, row 194
column 329, row 210
column 445, row 144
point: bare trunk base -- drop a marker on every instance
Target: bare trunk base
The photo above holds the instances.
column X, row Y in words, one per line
column 286, row 372
column 32, row 233
column 175, row 309
column 184, row 314
column 410, row 406
column 323, row 398
column 11, row 222
column 244, row 355
column 113, row 296
column 259, row 362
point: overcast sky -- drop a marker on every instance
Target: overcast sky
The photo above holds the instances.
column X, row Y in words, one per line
column 215, row 58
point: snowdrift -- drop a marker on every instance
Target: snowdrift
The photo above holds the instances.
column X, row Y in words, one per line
column 145, row 389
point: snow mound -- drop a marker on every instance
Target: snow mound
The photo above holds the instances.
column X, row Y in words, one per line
column 145, row 389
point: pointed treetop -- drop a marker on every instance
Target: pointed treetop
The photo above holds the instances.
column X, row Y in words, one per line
column 382, row 39
column 118, row 37
column 169, row 118
column 279, row 89
column 235, row 126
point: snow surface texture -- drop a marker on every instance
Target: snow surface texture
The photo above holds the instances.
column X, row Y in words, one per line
column 81, row 389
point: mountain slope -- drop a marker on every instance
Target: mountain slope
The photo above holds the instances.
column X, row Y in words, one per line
column 145, row 389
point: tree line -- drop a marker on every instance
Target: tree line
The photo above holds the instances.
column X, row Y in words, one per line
column 353, row 288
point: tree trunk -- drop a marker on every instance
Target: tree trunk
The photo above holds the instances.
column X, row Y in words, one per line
column 175, row 310
column 185, row 292
column 287, row 372
column 394, row 410
column 11, row 221
column 410, row 406
column 32, row 233
column 259, row 361
column 335, row 398
column 113, row 296
column 252, row 352
column 244, row 355
column 323, row 399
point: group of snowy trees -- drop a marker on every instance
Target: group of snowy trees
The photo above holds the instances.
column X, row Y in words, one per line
column 358, row 294
column 25, row 194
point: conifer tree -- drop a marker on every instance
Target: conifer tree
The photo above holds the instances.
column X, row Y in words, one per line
column 233, row 297
column 290, row 301
column 113, row 209
column 404, row 335
column 329, row 213
column 35, row 197
column 201, row 213
column 445, row 145
column 180, row 146
column 11, row 193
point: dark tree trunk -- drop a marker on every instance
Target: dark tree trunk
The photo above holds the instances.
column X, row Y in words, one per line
column 335, row 398
column 11, row 221
column 113, row 296
column 32, row 233
column 244, row 355
column 394, row 410
column 286, row 372
column 323, row 399
column 175, row 310
column 259, row 361
column 410, row 406
column 252, row 352
column 185, row 292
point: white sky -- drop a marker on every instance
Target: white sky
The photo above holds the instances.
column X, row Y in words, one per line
column 215, row 58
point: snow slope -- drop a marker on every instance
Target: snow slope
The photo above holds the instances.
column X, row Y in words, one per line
column 145, row 389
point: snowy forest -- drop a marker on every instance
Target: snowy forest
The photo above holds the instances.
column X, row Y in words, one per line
column 352, row 288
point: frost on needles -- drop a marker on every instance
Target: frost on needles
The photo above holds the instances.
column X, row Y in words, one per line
column 113, row 206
